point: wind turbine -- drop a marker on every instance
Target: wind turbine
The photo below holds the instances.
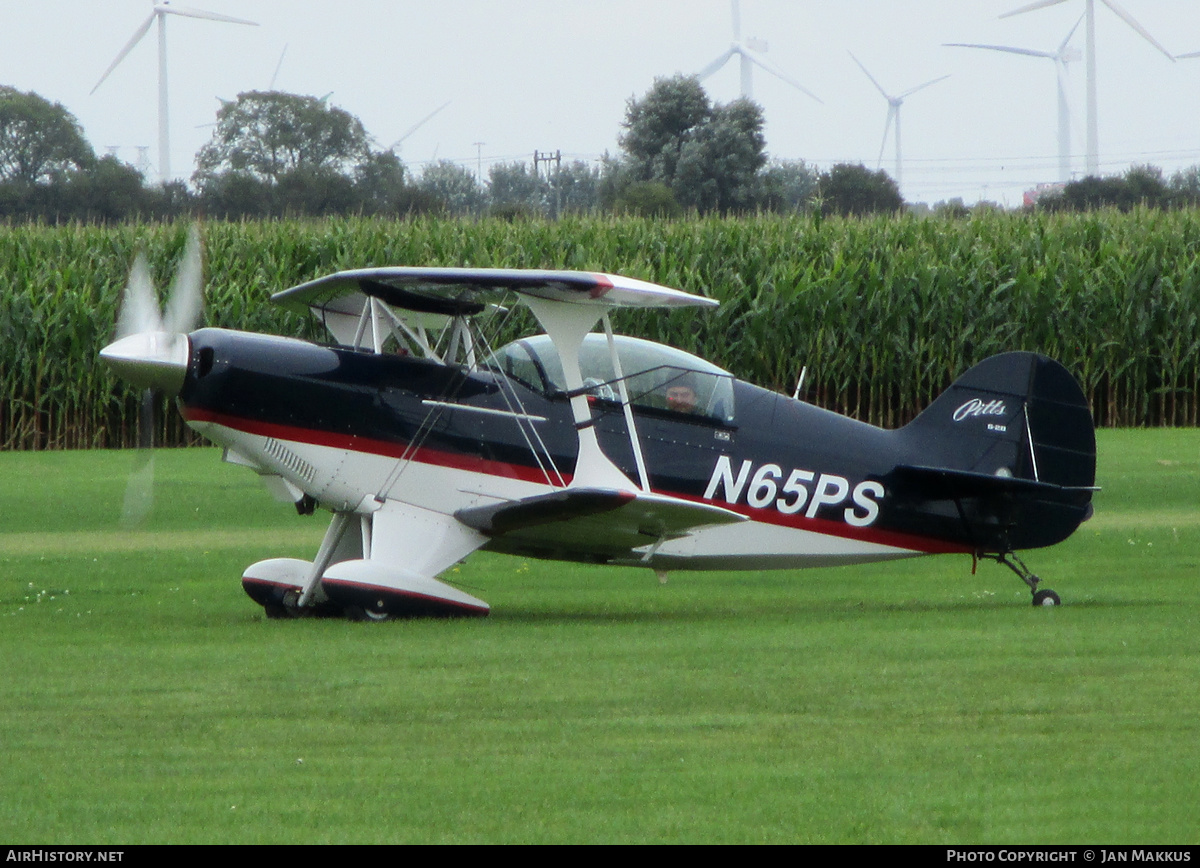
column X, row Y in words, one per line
column 160, row 12
column 1061, row 57
column 418, row 125
column 750, row 53
column 1089, row 15
column 894, row 103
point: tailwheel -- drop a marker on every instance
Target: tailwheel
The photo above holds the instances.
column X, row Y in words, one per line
column 1044, row 597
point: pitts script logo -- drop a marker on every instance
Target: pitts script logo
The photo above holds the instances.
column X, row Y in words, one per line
column 977, row 407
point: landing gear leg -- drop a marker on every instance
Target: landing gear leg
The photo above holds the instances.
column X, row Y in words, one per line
column 1044, row 597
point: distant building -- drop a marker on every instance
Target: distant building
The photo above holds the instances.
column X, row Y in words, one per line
column 1050, row 189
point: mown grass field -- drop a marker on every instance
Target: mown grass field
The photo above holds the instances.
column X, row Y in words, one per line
column 145, row 699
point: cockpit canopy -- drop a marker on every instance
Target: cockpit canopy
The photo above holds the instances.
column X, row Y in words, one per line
column 657, row 377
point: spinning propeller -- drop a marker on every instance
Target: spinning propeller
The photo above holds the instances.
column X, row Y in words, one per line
column 151, row 351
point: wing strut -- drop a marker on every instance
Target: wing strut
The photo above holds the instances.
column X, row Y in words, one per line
column 567, row 325
column 333, row 538
column 635, row 442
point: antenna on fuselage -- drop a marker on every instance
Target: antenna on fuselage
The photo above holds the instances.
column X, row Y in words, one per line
column 800, row 383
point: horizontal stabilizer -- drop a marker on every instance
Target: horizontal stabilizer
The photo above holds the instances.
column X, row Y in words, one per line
column 584, row 522
column 1000, row 513
column 941, row 483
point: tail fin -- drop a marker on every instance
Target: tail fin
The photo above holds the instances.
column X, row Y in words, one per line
column 1012, row 444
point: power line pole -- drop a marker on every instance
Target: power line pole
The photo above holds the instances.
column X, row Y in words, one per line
column 556, row 159
column 479, row 161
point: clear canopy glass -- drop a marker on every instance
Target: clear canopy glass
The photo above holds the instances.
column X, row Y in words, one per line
column 656, row 376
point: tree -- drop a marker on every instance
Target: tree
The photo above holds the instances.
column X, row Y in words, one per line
column 719, row 164
column 238, row 194
column 789, row 185
column 709, row 155
column 1140, row 185
column 40, row 141
column 514, row 188
column 1147, row 187
column 380, row 182
column 575, row 188
column 454, row 185
column 108, row 192
column 646, row 199
column 269, row 135
column 855, row 190
column 1185, row 187
column 315, row 192
column 659, row 125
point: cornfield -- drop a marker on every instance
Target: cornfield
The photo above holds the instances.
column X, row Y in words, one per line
column 883, row 312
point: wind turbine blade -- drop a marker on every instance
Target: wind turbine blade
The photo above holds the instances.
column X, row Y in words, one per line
column 737, row 20
column 1041, row 4
column 418, row 125
column 715, row 65
column 1189, row 54
column 200, row 13
column 139, row 308
column 1062, row 46
column 278, row 66
column 1129, row 19
column 187, row 292
column 780, row 74
column 1010, row 49
column 138, row 34
column 911, row 91
column 887, row 128
column 878, row 86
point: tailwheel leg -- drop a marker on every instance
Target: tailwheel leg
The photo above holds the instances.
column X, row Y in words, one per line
column 1042, row 597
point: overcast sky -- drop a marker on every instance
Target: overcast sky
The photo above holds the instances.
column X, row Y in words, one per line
column 548, row 75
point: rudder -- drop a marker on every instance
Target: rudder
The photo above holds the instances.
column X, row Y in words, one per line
column 1016, row 414
column 1007, row 454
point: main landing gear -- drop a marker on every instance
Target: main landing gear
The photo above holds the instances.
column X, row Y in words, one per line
column 1043, row 597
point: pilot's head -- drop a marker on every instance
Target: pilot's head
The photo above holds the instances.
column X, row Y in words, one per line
column 681, row 397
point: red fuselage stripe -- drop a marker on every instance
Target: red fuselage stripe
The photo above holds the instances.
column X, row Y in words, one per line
column 439, row 458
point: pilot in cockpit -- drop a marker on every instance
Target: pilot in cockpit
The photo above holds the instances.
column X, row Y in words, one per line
column 681, row 396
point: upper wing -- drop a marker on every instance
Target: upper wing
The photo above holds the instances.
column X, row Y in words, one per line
column 466, row 291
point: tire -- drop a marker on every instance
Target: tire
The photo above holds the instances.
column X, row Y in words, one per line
column 1046, row 597
column 358, row 613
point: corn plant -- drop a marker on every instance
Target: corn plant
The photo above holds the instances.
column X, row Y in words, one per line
column 883, row 312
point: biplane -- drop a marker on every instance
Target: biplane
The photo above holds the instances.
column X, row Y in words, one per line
column 426, row 444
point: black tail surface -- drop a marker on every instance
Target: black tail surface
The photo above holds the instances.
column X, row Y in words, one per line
column 1010, row 446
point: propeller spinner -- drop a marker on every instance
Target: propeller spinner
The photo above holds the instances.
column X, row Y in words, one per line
column 151, row 350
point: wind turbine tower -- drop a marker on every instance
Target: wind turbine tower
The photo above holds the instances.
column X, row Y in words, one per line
column 1089, row 16
column 894, row 103
column 750, row 52
column 160, row 12
column 1062, row 57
